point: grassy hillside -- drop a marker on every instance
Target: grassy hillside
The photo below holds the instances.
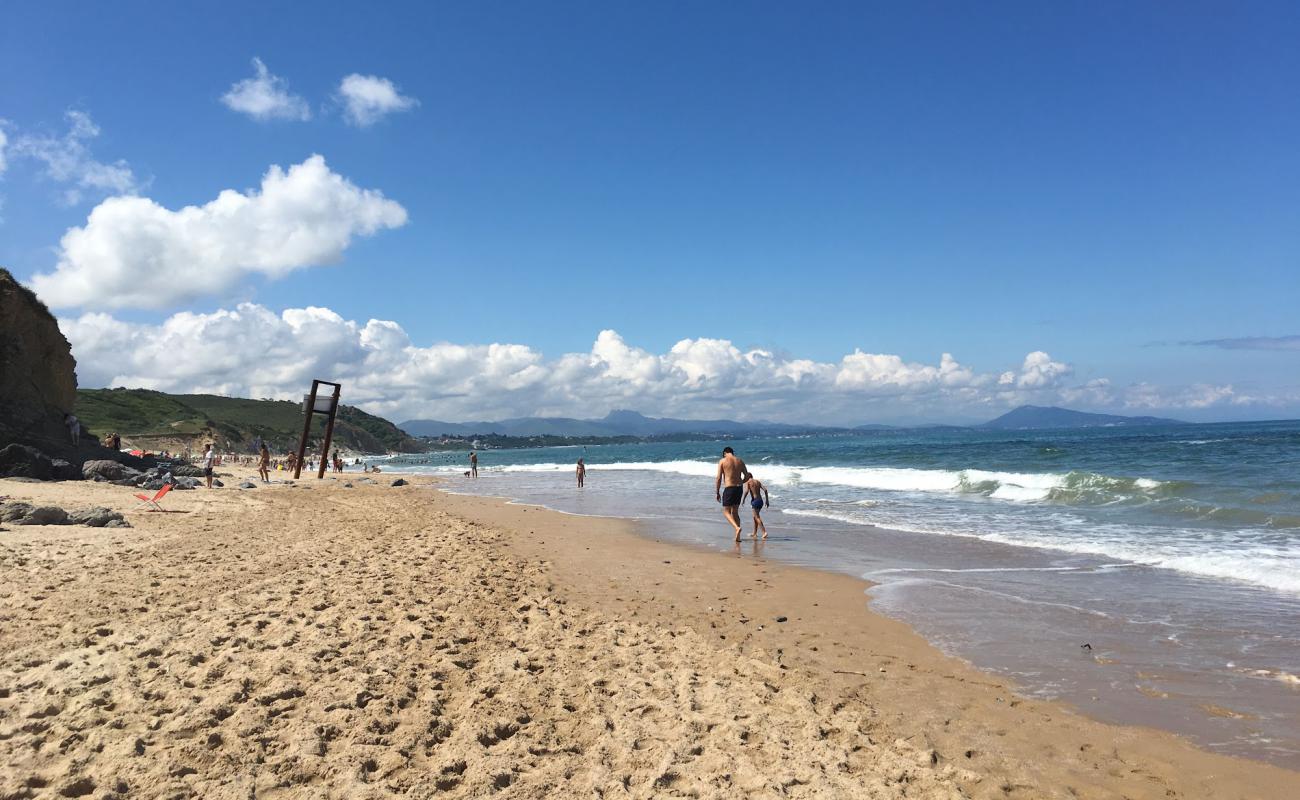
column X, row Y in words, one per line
column 158, row 421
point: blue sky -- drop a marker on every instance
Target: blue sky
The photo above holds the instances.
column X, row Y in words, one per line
column 1097, row 181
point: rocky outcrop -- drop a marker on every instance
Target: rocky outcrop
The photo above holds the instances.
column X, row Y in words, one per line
column 27, row 514
column 38, row 386
column 97, row 517
column 22, row 461
column 104, row 470
column 64, row 470
column 38, row 380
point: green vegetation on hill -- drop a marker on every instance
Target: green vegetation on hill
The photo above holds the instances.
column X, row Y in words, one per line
column 158, row 421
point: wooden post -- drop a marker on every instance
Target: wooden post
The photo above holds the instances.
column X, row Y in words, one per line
column 306, row 430
column 308, row 412
column 329, row 431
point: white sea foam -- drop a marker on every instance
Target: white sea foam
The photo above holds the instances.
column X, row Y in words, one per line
column 1270, row 567
column 1016, row 487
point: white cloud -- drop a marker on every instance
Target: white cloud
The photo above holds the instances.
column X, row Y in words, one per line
column 1199, row 395
column 67, row 160
column 134, row 253
column 253, row 351
column 368, row 98
column 1039, row 371
column 265, row 97
column 4, row 141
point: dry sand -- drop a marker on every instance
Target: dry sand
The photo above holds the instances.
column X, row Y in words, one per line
column 320, row 641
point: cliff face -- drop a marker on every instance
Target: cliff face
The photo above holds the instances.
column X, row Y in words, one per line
column 38, row 380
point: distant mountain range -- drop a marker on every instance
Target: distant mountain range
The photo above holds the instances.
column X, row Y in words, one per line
column 1034, row 417
column 615, row 423
column 632, row 423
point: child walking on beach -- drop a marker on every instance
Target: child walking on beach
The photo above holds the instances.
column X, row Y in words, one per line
column 753, row 489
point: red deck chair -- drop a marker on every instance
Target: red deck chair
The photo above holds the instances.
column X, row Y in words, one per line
column 151, row 503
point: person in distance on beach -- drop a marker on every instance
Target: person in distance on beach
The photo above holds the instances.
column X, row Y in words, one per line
column 758, row 497
column 582, row 473
column 264, row 464
column 473, row 464
column 728, row 486
column 209, row 458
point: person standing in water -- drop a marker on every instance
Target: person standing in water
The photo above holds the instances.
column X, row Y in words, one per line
column 758, row 497
column 582, row 473
column 728, row 487
column 473, row 464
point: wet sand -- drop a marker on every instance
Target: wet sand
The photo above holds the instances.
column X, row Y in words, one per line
column 315, row 640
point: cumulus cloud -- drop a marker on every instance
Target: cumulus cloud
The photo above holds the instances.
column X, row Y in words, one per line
column 67, row 160
column 266, row 97
column 134, row 253
column 369, row 98
column 253, row 351
column 1039, row 371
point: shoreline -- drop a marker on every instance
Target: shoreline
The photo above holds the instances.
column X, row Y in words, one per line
column 866, row 652
column 923, row 721
column 1134, row 676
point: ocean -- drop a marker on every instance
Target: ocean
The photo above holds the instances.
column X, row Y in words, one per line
column 1173, row 552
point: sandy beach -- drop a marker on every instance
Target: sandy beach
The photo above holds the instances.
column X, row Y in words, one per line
column 314, row 640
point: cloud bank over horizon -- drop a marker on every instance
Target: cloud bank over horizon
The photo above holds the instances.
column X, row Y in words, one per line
column 252, row 351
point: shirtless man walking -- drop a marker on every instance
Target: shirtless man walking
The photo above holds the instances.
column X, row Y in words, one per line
column 729, row 486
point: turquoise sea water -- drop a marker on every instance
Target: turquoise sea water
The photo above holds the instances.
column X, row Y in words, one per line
column 1174, row 550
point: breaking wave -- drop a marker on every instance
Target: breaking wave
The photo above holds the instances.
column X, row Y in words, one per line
column 1083, row 488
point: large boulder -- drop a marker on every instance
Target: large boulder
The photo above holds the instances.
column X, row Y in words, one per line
column 27, row 514
column 94, row 517
column 12, row 512
column 105, row 470
column 38, row 381
column 44, row 515
column 61, row 470
column 23, row 461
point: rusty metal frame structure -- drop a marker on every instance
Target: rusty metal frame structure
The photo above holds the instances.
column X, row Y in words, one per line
column 308, row 412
